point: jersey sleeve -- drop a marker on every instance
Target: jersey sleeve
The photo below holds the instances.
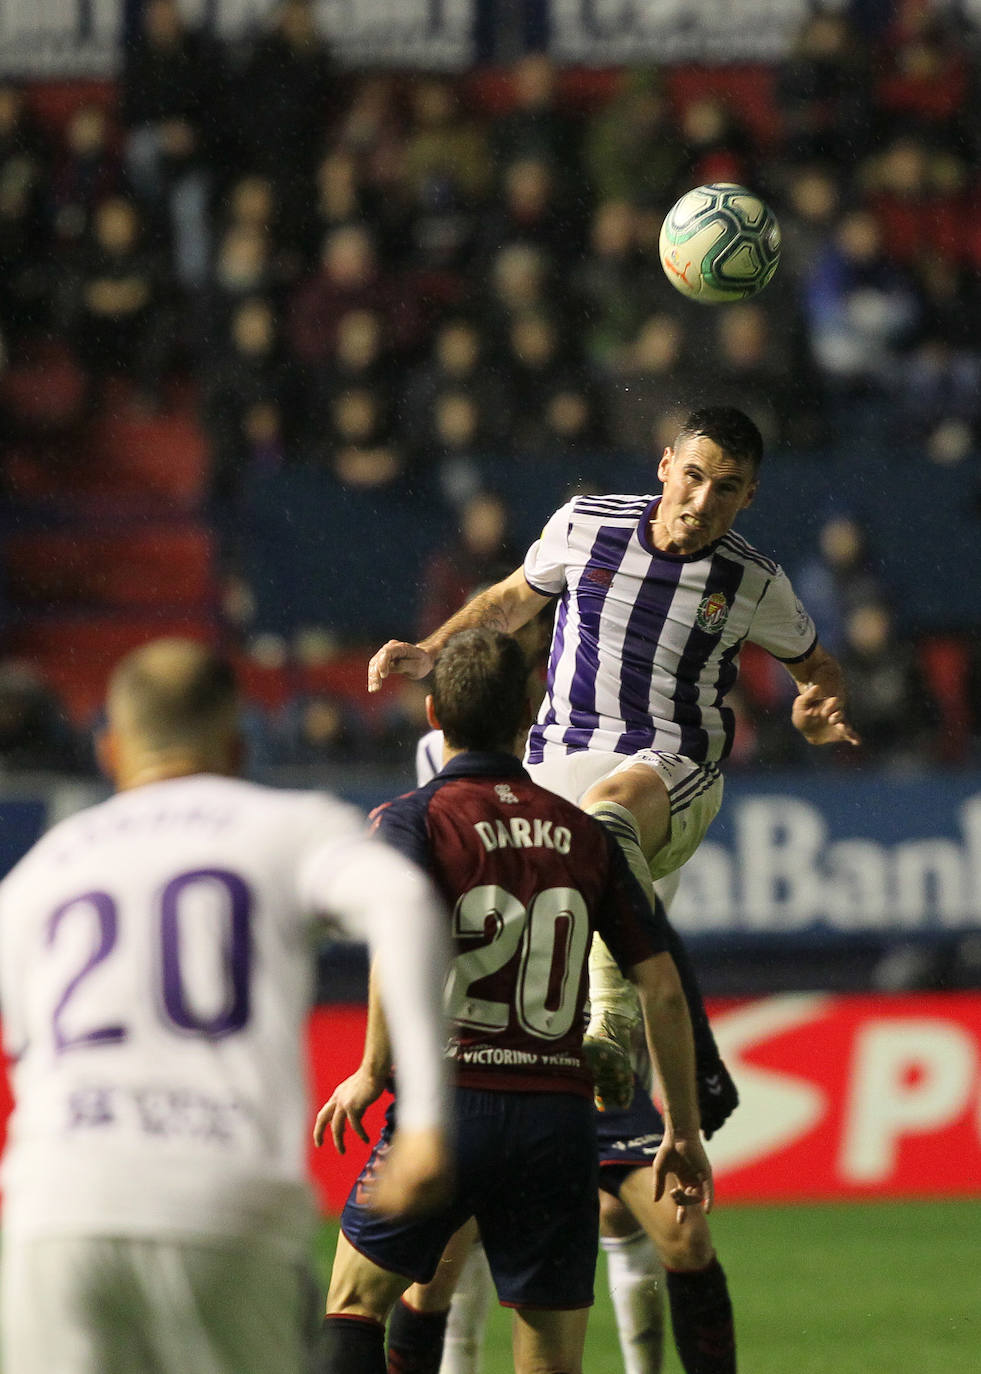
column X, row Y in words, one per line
column 781, row 624
column 632, row 930
column 547, row 559
column 402, row 824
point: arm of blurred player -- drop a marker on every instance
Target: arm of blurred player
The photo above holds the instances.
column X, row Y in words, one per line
column 669, row 1041
column 381, row 897
column 350, row 1100
column 506, row 606
column 819, row 709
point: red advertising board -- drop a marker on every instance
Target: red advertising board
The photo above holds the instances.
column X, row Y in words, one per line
column 840, row 1097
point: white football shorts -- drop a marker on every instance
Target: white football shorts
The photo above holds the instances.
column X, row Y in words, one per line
column 100, row 1305
column 694, row 791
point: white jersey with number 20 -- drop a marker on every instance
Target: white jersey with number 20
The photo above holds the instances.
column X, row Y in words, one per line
column 156, row 969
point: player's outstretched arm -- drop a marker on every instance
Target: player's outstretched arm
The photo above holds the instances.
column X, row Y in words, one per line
column 506, row 606
column 819, row 710
column 681, row 1164
column 350, row 1100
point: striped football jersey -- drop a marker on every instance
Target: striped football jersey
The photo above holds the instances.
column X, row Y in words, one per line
column 646, row 644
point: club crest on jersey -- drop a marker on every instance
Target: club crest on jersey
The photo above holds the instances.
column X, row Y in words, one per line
column 504, row 794
column 712, row 613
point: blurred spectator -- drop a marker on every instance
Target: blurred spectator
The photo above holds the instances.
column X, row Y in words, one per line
column 839, row 578
column 318, row 728
column 861, row 307
column 923, row 74
column 349, row 278
column 718, row 146
column 247, row 392
column 361, row 449
column 339, row 197
column 173, row 84
column 457, row 442
column 25, row 278
column 518, row 282
column 121, row 321
column 243, row 270
column 916, row 191
column 447, row 170
column 652, row 376
column 285, row 97
column 888, row 701
column 35, row 734
column 87, row 170
column 558, row 408
column 632, row 148
column 459, row 361
column 253, row 202
column 447, row 157
column 823, row 92
column 536, row 127
column 481, row 554
column 808, row 211
column 614, row 288
column 360, row 361
column 530, row 211
column 766, row 369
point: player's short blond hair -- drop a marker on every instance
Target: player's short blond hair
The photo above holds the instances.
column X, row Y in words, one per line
column 173, row 694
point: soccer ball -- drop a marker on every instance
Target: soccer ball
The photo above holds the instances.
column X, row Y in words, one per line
column 719, row 243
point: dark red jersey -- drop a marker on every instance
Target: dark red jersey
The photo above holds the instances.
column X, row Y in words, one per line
column 527, row 878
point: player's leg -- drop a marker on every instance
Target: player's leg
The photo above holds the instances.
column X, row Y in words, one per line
column 439, row 1326
column 628, row 1140
column 549, row 1342
column 539, row 1217
column 359, row 1299
column 635, row 1277
column 698, row 1293
column 463, row 1346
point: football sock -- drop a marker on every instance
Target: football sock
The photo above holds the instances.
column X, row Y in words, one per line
column 610, row 992
column 468, row 1315
column 352, row 1345
column 701, row 1316
column 635, row 1278
column 415, row 1340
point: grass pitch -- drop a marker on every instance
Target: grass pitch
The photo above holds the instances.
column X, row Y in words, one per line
column 878, row 1288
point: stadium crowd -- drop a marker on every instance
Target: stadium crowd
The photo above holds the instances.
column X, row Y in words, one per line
column 390, row 286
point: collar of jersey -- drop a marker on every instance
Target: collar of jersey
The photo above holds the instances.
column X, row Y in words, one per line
column 481, row 763
column 642, row 534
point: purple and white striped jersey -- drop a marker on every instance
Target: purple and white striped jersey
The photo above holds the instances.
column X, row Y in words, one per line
column 646, row 644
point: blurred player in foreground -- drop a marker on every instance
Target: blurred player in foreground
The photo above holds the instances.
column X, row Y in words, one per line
column 656, row 597
column 528, row 877
column 157, row 967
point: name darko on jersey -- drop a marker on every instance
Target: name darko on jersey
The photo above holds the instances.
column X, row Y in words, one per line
column 518, row 832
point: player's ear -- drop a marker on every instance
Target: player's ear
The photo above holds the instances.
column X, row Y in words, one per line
column 750, row 494
column 431, row 714
column 107, row 753
column 664, row 463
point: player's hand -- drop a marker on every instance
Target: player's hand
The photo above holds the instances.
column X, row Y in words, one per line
column 682, row 1169
column 397, row 656
column 346, row 1106
column 821, row 719
column 415, row 1175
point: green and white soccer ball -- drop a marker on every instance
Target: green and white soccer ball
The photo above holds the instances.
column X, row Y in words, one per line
column 719, row 243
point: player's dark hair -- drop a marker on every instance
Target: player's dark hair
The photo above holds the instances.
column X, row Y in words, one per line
column 734, row 432
column 480, row 690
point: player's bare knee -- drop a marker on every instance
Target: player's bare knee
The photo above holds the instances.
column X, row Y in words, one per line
column 686, row 1245
column 359, row 1288
column 643, row 793
column 616, row 1219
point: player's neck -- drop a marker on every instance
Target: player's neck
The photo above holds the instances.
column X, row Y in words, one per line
column 141, row 772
